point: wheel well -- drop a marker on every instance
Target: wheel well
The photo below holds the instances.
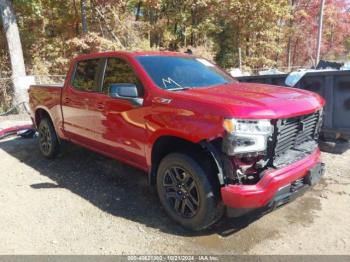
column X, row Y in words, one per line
column 40, row 114
column 169, row 144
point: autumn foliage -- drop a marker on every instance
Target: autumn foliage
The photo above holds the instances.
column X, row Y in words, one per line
column 266, row 31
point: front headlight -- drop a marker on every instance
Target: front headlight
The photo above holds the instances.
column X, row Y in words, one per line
column 246, row 136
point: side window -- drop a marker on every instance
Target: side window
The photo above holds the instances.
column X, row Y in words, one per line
column 119, row 71
column 86, row 75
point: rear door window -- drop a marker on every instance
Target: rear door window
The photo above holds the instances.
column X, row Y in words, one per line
column 87, row 75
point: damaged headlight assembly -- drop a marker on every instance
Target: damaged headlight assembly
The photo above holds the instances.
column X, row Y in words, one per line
column 246, row 136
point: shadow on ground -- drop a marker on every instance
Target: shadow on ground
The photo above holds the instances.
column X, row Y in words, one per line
column 111, row 186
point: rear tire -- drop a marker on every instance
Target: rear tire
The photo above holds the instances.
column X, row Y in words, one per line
column 186, row 193
column 48, row 140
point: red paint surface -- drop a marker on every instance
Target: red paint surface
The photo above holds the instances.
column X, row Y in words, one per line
column 14, row 129
column 118, row 129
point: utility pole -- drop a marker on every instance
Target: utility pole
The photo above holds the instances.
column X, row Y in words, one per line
column 320, row 31
column 9, row 24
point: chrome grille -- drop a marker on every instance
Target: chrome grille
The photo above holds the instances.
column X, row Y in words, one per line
column 294, row 131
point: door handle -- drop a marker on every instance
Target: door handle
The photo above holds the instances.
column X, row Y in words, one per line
column 67, row 100
column 100, row 107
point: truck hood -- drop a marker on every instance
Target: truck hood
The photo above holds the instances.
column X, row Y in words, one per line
column 249, row 100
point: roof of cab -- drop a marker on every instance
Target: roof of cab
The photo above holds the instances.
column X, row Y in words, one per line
column 136, row 53
column 158, row 53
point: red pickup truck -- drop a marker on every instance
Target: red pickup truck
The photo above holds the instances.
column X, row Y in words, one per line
column 208, row 143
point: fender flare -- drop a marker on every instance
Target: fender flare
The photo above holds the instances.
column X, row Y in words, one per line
column 46, row 111
column 205, row 145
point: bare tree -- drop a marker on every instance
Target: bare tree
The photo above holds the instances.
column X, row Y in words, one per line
column 289, row 45
column 83, row 5
column 319, row 34
column 138, row 10
column 15, row 48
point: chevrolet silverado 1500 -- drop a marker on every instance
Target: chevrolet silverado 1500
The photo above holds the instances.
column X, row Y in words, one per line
column 208, row 143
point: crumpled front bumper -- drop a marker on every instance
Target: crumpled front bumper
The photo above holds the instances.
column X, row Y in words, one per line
column 248, row 197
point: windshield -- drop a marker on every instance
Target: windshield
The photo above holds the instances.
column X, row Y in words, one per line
column 176, row 72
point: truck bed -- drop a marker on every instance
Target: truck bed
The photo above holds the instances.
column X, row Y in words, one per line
column 48, row 98
column 47, row 85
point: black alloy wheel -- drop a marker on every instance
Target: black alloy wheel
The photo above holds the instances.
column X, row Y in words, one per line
column 45, row 139
column 187, row 193
column 48, row 140
column 181, row 191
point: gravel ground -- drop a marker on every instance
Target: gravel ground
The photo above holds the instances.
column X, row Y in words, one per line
column 84, row 203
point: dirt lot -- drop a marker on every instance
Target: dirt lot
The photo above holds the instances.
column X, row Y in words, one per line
column 84, row 203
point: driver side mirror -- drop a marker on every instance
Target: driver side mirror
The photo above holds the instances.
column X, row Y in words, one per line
column 126, row 91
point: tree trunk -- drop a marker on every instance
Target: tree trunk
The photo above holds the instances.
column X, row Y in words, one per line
column 76, row 18
column 193, row 23
column 15, row 50
column 289, row 54
column 289, row 45
column 83, row 5
column 138, row 10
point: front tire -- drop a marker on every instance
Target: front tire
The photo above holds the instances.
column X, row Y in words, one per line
column 186, row 193
column 48, row 140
